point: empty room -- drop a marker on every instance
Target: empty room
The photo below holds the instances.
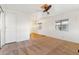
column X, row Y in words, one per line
column 39, row 29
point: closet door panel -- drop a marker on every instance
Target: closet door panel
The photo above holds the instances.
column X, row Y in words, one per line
column 10, row 28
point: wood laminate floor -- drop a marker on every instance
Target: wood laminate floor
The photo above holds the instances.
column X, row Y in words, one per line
column 41, row 46
column 16, row 48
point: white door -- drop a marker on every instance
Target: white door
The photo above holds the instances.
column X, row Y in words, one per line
column 10, row 35
column 2, row 28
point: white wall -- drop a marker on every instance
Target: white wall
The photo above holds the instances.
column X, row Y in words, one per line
column 73, row 32
column 71, row 35
column 45, row 26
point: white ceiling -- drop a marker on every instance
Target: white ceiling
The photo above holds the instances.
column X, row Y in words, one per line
column 62, row 8
column 33, row 8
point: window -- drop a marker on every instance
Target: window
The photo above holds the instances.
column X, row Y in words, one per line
column 62, row 25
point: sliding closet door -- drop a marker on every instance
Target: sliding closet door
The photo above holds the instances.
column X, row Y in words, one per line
column 10, row 28
column 23, row 27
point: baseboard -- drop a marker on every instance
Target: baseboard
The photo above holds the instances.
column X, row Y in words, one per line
column 7, row 44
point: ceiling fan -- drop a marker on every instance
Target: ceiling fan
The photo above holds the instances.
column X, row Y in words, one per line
column 46, row 7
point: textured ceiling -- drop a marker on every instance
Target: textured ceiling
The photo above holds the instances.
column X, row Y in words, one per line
column 33, row 8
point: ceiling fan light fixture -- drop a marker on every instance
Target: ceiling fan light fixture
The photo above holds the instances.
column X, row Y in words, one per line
column 46, row 7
